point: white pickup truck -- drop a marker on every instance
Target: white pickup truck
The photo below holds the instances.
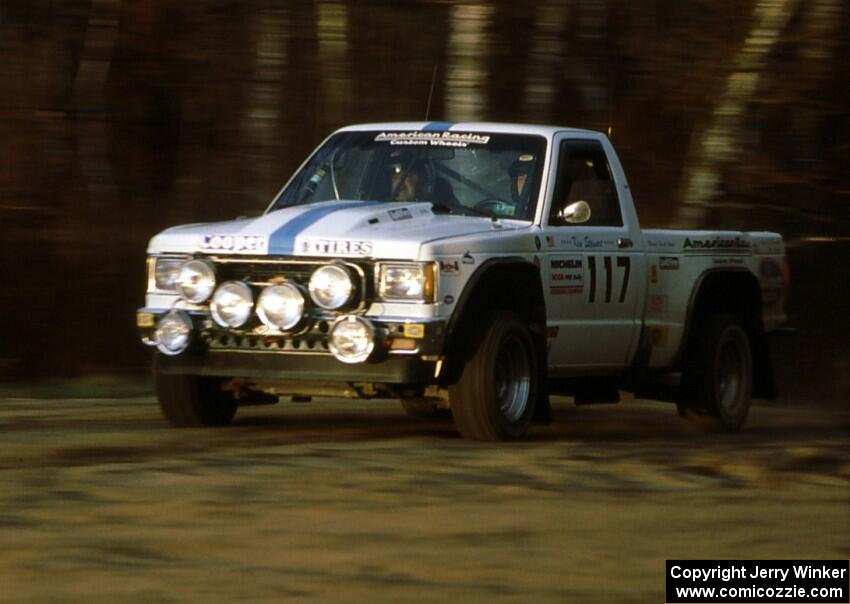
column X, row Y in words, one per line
column 466, row 267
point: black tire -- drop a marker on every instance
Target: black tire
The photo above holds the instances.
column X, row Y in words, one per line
column 423, row 408
column 496, row 395
column 193, row 401
column 717, row 380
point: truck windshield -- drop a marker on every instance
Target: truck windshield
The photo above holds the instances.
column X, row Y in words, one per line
column 470, row 173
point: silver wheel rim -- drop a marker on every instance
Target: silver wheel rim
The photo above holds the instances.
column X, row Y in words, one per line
column 729, row 375
column 512, row 378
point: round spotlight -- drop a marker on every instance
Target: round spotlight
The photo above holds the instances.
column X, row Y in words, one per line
column 173, row 333
column 281, row 306
column 196, row 281
column 352, row 339
column 232, row 304
column 331, row 286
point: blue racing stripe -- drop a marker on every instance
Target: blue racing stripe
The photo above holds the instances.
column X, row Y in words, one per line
column 437, row 126
column 282, row 241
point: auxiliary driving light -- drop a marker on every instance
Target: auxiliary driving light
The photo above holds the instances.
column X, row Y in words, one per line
column 281, row 306
column 173, row 333
column 331, row 286
column 232, row 304
column 352, row 339
column 196, row 281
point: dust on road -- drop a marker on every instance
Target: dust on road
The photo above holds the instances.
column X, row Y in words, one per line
column 354, row 502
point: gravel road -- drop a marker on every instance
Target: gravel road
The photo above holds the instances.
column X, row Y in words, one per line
column 353, row 502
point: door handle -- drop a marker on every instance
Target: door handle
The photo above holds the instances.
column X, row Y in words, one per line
column 624, row 242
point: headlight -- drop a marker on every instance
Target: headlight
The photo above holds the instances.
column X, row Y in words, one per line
column 352, row 339
column 281, row 306
column 331, row 286
column 232, row 304
column 162, row 273
column 196, row 280
column 173, row 333
column 408, row 281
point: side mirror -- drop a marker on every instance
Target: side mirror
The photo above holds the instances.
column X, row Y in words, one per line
column 577, row 212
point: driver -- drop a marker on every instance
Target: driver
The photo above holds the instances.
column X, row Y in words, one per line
column 520, row 173
column 415, row 179
column 407, row 182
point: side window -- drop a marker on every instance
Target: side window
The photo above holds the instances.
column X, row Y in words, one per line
column 584, row 174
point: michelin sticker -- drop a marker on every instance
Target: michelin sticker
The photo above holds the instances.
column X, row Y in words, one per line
column 566, row 275
column 433, row 139
column 236, row 244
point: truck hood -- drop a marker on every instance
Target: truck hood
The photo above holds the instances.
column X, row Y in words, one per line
column 332, row 228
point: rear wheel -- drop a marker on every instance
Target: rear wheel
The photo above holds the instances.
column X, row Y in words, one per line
column 192, row 400
column 718, row 377
column 495, row 397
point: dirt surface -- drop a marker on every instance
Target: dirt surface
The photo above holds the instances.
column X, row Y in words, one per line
column 354, row 502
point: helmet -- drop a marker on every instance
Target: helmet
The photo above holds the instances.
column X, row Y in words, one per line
column 521, row 166
column 404, row 164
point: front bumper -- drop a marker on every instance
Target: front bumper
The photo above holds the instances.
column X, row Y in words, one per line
column 407, row 370
column 303, row 357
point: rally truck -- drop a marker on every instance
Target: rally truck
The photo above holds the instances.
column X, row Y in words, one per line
column 467, row 269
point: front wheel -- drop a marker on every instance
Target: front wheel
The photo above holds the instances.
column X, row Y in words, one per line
column 495, row 397
column 193, row 400
column 718, row 377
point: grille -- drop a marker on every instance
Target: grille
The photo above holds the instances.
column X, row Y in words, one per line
column 301, row 344
column 262, row 271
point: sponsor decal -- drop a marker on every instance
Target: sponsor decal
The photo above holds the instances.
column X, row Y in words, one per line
column 449, row 267
column 336, row 247
column 728, row 261
column 668, row 263
column 433, row 138
column 565, row 291
column 566, row 262
column 238, row 244
column 550, row 241
column 566, row 275
column 467, row 258
column 400, row 214
column 716, row 243
column 660, row 243
column 585, row 242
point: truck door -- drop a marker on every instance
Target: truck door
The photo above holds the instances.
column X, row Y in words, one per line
column 595, row 271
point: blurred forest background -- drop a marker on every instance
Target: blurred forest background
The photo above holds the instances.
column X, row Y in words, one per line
column 120, row 118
